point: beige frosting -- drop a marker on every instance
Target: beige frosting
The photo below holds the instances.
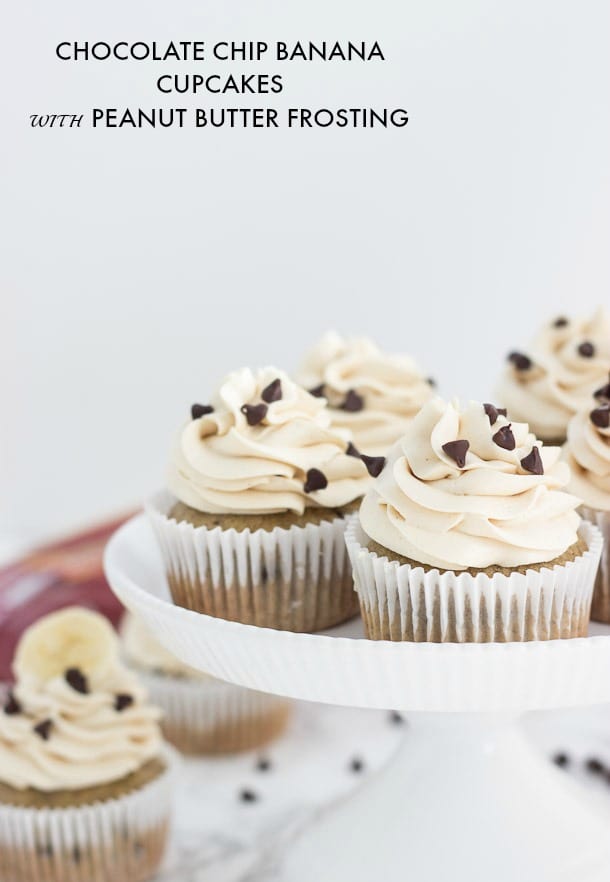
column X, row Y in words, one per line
column 587, row 452
column 221, row 464
column 144, row 652
column 491, row 512
column 561, row 381
column 392, row 388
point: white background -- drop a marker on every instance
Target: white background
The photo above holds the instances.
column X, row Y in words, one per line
column 139, row 266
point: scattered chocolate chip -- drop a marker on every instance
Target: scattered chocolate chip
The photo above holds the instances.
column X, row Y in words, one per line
column 199, row 410
column 586, row 349
column 504, row 438
column 374, row 464
column 356, row 765
column 248, row 796
column 254, row 413
column 77, row 680
column 317, row 391
column 600, row 417
column 122, row 700
column 263, row 764
column 595, row 766
column 494, row 412
column 353, row 402
column 520, row 361
column 562, row 760
column 560, row 322
column 11, row 706
column 431, row 382
column 44, row 729
column 352, row 450
column 272, row 392
column 396, row 718
column 533, row 462
column 457, row 450
column 316, row 480
column 603, row 394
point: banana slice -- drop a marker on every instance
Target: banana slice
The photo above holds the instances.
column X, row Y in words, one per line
column 71, row 638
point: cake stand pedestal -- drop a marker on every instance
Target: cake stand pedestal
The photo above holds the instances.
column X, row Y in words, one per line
column 465, row 797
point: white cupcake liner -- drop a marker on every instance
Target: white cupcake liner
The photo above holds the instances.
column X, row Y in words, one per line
column 600, row 610
column 401, row 602
column 295, row 579
column 209, row 716
column 116, row 840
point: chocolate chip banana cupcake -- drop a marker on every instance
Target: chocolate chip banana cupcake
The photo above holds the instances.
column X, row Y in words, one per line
column 587, row 452
column 371, row 393
column 201, row 715
column 84, row 774
column 468, row 535
column 260, row 484
column 556, row 376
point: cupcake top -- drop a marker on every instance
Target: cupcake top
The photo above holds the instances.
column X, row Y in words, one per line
column 264, row 445
column 143, row 652
column 373, row 394
column 76, row 717
column 587, row 452
column 555, row 378
column 466, row 488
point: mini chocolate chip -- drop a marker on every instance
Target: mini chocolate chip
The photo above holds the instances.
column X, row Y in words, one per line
column 44, row 729
column 315, row 480
column 248, row 796
column 396, row 718
column 600, row 417
column 504, row 438
column 353, row 402
column 560, row 322
column 457, row 450
column 603, row 394
column 352, row 450
column 374, row 464
column 533, row 462
column 272, row 392
column 77, row 680
column 586, row 349
column 595, row 766
column 562, row 760
column 254, row 413
column 317, row 391
column 520, row 361
column 492, row 413
column 12, row 706
column 356, row 765
column 263, row 764
column 431, row 382
column 199, row 410
column 122, row 700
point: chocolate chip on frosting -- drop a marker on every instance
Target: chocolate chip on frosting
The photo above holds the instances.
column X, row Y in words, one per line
column 520, row 361
column 353, row 402
column 254, row 413
column 494, row 412
column 603, row 393
column 11, row 706
column 561, row 322
column 374, row 464
column 43, row 729
column 316, row 480
column 533, row 462
column 199, row 410
column 122, row 701
column 457, row 450
column 352, row 450
column 77, row 680
column 317, row 391
column 504, row 438
column 272, row 392
column 600, row 417
column 586, row 349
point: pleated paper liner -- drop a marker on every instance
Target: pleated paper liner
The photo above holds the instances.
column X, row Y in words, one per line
column 295, row 579
column 121, row 839
column 401, row 602
column 600, row 610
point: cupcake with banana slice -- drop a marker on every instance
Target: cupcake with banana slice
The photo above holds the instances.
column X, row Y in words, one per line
column 85, row 777
column 468, row 535
column 201, row 715
column 371, row 393
column 260, row 487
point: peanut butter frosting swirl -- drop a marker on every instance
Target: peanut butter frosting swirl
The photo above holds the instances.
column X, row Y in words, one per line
column 373, row 394
column 469, row 489
column 556, row 376
column 264, row 445
column 587, row 452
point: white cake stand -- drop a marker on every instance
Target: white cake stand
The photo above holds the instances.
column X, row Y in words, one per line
column 466, row 797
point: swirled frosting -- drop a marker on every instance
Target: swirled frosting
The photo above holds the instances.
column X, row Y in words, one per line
column 83, row 740
column 505, row 506
column 385, row 391
column 145, row 653
column 587, row 452
column 557, row 375
column 265, row 446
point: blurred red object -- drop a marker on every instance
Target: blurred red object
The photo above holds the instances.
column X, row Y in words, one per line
column 65, row 573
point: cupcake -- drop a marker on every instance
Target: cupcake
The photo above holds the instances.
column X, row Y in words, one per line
column 587, row 452
column 373, row 394
column 201, row 715
column 467, row 535
column 84, row 775
column 260, row 484
column 555, row 378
